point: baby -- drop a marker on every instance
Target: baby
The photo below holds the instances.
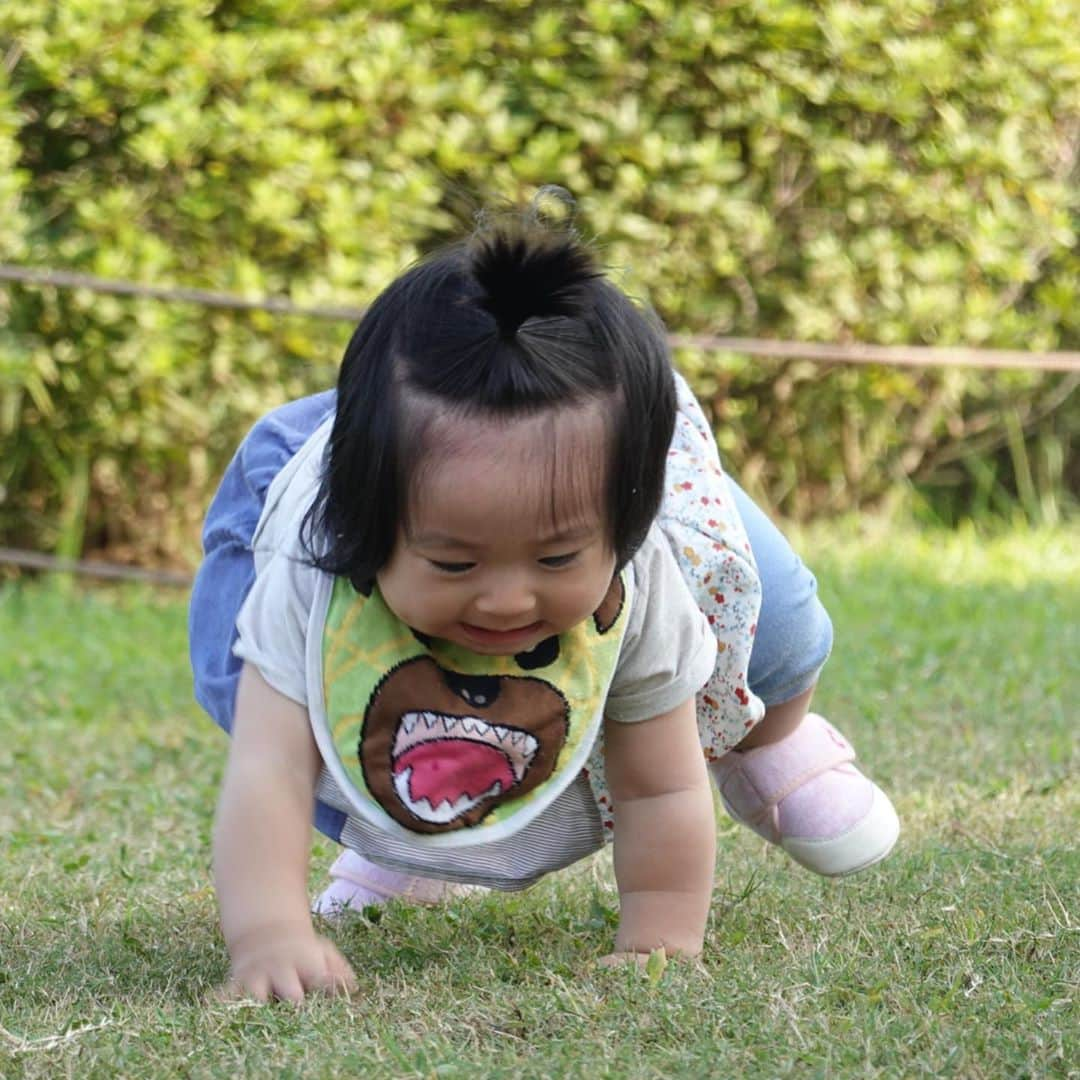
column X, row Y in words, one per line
column 492, row 605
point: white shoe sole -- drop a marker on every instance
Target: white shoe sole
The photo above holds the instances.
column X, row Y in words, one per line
column 860, row 847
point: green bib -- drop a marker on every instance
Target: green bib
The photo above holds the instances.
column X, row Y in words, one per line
column 443, row 745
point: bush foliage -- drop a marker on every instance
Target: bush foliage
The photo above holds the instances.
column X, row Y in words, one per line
column 889, row 171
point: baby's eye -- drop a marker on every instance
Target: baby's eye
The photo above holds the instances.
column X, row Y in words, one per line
column 452, row 567
column 555, row 561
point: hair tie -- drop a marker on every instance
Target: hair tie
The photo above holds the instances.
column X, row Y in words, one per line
column 541, row 271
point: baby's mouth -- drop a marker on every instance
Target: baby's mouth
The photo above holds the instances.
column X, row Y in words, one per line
column 479, row 635
column 445, row 765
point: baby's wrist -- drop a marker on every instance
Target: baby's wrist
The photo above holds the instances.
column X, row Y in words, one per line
column 250, row 939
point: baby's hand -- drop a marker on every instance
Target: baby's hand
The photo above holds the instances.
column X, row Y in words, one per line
column 286, row 962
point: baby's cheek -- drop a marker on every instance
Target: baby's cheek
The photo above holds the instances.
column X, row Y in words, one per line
column 580, row 601
column 398, row 596
column 430, row 604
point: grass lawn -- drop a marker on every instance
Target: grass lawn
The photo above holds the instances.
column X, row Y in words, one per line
column 957, row 675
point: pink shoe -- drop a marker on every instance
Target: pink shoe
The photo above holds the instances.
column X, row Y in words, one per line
column 805, row 794
column 356, row 884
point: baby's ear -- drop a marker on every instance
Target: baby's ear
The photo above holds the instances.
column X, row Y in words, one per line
column 608, row 612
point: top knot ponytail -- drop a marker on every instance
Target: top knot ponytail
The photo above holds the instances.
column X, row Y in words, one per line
column 446, row 341
column 533, row 266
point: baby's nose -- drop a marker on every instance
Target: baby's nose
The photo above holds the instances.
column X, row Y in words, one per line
column 507, row 596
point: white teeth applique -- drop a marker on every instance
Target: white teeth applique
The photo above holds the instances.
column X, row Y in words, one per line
column 444, row 765
column 417, row 727
column 446, row 811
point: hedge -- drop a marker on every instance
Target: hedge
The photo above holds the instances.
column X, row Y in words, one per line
column 889, row 171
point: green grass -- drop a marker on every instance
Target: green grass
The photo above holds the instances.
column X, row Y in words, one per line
column 956, row 673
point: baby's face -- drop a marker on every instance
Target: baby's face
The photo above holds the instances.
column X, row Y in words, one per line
column 506, row 542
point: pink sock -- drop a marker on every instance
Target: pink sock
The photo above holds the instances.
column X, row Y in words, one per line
column 356, row 883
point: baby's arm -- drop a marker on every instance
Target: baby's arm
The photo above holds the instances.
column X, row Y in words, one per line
column 262, row 842
column 665, row 831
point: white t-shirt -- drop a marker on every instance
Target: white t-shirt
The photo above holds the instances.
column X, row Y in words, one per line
column 667, row 655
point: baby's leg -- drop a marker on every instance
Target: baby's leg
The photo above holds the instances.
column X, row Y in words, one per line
column 792, row 778
column 228, row 567
column 794, row 633
column 357, row 883
column 781, row 770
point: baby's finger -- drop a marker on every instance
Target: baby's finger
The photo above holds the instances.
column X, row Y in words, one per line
column 323, row 974
column 238, row 989
column 622, row 959
column 288, row 985
column 342, row 979
column 228, row 991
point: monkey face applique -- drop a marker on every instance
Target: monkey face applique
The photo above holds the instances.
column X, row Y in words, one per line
column 439, row 749
column 452, row 747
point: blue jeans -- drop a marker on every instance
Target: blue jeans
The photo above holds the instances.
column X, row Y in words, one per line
column 793, row 640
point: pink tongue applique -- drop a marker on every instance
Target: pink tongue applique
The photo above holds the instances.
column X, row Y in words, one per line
column 445, row 769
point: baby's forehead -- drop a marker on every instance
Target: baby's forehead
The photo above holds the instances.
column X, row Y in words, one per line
column 544, row 471
column 530, row 434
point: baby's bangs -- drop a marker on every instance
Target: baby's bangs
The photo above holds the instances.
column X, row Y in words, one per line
column 574, row 461
column 565, row 468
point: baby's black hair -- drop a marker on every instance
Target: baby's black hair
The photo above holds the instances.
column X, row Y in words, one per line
column 515, row 320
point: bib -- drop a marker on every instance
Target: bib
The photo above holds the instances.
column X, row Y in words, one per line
column 445, row 746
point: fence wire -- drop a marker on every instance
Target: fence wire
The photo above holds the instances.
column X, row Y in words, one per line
column 768, row 348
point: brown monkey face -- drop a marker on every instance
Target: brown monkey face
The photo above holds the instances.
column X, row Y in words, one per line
column 440, row 750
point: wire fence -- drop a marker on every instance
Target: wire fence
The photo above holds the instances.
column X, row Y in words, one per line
column 36, row 560
column 767, row 348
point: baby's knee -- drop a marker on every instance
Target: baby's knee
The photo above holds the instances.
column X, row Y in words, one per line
column 793, row 640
